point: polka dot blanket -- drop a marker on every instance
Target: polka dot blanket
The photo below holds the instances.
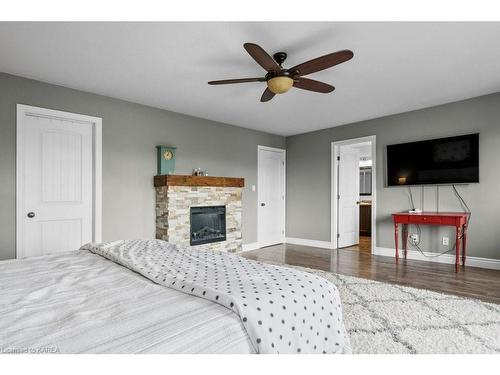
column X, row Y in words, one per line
column 283, row 310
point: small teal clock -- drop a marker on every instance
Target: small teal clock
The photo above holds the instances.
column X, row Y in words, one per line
column 166, row 159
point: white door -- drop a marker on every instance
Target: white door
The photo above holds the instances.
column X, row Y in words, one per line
column 271, row 196
column 348, row 196
column 55, row 184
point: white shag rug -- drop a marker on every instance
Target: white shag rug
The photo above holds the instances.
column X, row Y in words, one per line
column 389, row 318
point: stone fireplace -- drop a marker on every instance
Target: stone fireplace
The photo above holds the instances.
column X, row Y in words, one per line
column 199, row 211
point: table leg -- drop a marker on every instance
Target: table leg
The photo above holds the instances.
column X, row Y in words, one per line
column 396, row 240
column 457, row 247
column 405, row 239
column 464, row 243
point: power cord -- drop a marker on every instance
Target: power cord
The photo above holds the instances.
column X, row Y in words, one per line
column 464, row 205
column 411, row 199
column 417, row 246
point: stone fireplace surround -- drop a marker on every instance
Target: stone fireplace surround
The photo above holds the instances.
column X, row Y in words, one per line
column 175, row 194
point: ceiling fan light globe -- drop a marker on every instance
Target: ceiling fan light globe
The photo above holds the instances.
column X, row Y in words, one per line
column 280, row 85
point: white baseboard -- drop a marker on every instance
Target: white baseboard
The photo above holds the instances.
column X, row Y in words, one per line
column 493, row 264
column 293, row 241
column 250, row 246
column 471, row 261
column 306, row 242
column 290, row 240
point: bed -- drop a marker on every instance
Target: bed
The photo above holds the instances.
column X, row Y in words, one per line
column 88, row 302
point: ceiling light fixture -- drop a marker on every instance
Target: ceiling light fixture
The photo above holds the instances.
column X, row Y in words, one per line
column 280, row 84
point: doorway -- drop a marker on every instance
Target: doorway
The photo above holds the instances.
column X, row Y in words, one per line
column 270, row 196
column 58, row 172
column 353, row 214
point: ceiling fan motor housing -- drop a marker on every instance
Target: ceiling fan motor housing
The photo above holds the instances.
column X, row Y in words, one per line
column 280, row 57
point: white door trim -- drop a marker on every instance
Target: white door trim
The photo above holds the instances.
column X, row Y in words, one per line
column 266, row 148
column 96, row 123
column 334, row 187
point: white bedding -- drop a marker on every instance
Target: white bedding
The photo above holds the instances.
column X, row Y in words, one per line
column 79, row 302
column 283, row 310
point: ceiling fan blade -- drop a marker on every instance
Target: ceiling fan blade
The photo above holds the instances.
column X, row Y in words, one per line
column 323, row 62
column 261, row 57
column 240, row 80
column 312, row 85
column 267, row 95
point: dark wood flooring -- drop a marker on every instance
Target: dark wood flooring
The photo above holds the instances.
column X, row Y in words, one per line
column 471, row 282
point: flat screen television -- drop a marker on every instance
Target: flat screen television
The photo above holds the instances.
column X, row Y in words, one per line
column 451, row 160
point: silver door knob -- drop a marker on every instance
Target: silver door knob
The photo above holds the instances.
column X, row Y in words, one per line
column 31, row 215
column 262, row 204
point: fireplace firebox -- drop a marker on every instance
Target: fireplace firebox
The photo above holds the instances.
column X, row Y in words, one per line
column 208, row 224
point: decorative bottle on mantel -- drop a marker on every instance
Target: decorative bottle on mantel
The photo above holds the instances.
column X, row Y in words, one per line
column 199, row 172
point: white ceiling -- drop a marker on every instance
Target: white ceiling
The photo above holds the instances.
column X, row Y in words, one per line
column 397, row 67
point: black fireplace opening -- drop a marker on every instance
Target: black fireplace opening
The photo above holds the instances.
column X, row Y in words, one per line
column 208, row 224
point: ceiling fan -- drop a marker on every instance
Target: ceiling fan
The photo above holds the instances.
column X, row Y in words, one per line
column 280, row 80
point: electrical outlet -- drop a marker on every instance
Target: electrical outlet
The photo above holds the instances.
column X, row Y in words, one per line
column 446, row 241
column 414, row 238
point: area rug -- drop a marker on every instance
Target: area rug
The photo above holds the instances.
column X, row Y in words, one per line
column 388, row 318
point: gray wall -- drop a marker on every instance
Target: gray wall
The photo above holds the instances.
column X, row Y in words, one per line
column 130, row 134
column 308, row 174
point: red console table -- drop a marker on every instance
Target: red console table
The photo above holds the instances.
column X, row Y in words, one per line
column 457, row 219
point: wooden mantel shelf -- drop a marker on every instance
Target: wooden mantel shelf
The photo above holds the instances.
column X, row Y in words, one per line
column 180, row 180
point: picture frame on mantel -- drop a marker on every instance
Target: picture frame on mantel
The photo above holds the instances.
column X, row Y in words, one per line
column 165, row 156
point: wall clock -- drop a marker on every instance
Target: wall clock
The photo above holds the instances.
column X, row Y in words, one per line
column 165, row 159
column 168, row 155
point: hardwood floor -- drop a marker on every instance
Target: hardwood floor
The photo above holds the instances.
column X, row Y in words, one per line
column 471, row 282
column 365, row 245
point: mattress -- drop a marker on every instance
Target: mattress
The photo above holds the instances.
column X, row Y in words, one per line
column 79, row 302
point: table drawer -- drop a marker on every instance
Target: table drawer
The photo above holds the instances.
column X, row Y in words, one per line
column 424, row 219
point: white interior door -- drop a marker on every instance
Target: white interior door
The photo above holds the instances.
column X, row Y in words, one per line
column 55, row 184
column 348, row 200
column 271, row 196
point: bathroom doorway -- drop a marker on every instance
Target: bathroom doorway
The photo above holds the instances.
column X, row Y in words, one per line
column 353, row 194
